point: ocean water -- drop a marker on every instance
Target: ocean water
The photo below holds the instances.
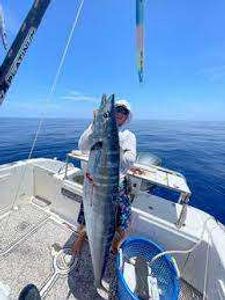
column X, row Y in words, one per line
column 196, row 149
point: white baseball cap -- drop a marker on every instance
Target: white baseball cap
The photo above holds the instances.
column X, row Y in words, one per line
column 125, row 103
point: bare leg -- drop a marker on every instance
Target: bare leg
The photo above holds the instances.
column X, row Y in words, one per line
column 78, row 243
column 118, row 238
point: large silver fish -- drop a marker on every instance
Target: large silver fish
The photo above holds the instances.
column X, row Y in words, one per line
column 101, row 185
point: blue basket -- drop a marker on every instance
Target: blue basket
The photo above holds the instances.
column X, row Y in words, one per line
column 163, row 269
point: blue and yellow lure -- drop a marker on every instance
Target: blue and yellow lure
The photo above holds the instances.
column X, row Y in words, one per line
column 140, row 38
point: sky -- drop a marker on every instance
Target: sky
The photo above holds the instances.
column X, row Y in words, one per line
column 184, row 77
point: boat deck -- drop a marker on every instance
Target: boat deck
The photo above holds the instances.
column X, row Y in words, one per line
column 31, row 251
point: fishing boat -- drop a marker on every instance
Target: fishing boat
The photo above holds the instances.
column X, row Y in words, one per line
column 40, row 200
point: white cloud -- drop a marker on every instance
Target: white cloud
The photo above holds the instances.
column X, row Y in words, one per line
column 78, row 96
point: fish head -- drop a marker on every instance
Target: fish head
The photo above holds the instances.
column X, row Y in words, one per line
column 104, row 124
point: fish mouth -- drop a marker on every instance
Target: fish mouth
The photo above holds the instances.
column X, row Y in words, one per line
column 107, row 106
column 104, row 120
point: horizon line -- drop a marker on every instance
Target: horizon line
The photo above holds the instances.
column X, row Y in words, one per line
column 88, row 119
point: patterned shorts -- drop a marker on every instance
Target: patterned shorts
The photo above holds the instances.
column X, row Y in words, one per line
column 123, row 207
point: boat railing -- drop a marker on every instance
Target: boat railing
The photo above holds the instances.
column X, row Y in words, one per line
column 155, row 175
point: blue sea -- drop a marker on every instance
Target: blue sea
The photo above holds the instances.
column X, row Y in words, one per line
column 196, row 149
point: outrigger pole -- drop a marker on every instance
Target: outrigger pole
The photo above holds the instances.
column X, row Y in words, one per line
column 18, row 50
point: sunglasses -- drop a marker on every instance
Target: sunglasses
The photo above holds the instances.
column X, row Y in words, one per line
column 122, row 110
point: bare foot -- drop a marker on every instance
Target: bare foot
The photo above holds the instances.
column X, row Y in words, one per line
column 78, row 244
column 114, row 250
column 117, row 240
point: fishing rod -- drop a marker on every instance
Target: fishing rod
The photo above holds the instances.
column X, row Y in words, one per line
column 19, row 47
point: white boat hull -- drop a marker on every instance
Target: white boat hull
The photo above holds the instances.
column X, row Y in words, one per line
column 40, row 183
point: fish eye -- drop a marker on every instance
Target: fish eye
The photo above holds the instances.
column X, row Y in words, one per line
column 106, row 115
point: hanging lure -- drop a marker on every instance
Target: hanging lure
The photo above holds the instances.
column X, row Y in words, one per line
column 140, row 38
column 2, row 28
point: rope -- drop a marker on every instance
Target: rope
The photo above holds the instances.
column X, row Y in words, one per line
column 183, row 251
column 205, row 283
column 205, row 228
column 54, row 84
column 51, row 92
column 206, row 270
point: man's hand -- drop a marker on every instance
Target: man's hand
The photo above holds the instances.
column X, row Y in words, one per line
column 95, row 113
column 137, row 171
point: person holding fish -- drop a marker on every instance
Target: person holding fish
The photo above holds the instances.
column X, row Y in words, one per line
column 127, row 143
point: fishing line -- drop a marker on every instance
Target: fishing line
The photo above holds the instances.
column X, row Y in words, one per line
column 51, row 92
column 209, row 236
column 205, row 228
column 55, row 81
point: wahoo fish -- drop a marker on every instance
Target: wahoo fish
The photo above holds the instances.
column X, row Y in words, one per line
column 101, row 181
column 2, row 28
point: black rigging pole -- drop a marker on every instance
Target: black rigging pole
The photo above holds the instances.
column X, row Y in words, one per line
column 17, row 51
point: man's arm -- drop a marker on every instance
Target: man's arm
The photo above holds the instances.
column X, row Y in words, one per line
column 128, row 149
column 84, row 140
